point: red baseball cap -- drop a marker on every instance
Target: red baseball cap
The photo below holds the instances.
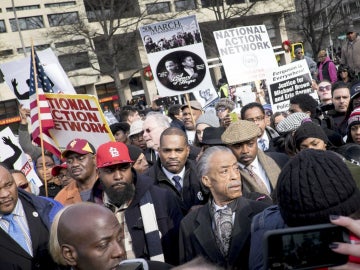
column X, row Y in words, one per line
column 56, row 169
column 112, row 153
column 79, row 146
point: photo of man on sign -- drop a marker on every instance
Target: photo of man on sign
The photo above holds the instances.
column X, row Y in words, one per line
column 181, row 70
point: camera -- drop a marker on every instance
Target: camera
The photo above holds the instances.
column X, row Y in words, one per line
column 305, row 247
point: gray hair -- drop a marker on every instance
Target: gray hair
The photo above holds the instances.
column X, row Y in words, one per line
column 158, row 118
column 203, row 165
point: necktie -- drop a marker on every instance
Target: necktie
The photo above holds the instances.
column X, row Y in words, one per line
column 258, row 181
column 262, row 144
column 15, row 232
column 223, row 224
column 177, row 179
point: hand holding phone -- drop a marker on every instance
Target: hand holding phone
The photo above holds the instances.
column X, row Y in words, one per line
column 306, row 247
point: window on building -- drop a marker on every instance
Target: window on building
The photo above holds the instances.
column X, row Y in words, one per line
column 61, row 4
column 63, row 18
column 81, row 90
column 183, row 5
column 98, row 10
column 70, row 43
column 27, row 23
column 10, row 9
column 158, row 8
column 4, row 53
column 74, row 61
column 106, row 89
column 37, row 47
column 2, row 26
column 8, row 109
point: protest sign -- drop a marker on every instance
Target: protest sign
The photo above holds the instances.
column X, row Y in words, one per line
column 176, row 55
column 13, row 156
column 77, row 116
column 287, row 81
column 17, row 74
column 246, row 53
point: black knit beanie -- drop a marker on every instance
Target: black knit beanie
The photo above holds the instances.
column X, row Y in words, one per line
column 309, row 130
column 314, row 185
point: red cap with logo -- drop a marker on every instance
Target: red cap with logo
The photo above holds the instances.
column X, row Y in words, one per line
column 112, row 153
column 79, row 146
column 56, row 169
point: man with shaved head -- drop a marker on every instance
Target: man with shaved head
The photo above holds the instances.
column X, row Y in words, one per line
column 93, row 241
column 87, row 241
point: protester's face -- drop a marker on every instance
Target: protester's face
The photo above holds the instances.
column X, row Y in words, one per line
column 355, row 133
column 152, row 132
column 245, row 152
column 173, row 152
column 64, row 177
column 141, row 164
column 278, row 119
column 100, row 245
column 189, row 62
column 257, row 116
column 200, row 130
column 313, row 143
column 134, row 117
column 120, row 136
column 351, row 36
column 324, row 91
column 223, row 178
column 118, row 182
column 341, row 99
column 138, row 140
column 81, row 167
column 21, row 181
column 41, row 172
column 189, row 125
column 356, row 102
column 8, row 192
column 344, row 74
column 299, row 55
column 221, row 112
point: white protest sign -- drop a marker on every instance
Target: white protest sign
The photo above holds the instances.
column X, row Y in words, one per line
column 16, row 73
column 12, row 155
column 287, row 81
column 78, row 116
column 176, row 55
column 246, row 53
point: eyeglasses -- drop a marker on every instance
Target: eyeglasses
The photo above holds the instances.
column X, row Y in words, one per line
column 221, row 110
column 323, row 88
column 23, row 186
column 256, row 119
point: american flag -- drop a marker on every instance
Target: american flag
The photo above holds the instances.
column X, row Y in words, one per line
column 41, row 112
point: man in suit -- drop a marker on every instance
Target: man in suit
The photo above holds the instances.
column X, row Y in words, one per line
column 259, row 172
column 175, row 172
column 25, row 221
column 220, row 230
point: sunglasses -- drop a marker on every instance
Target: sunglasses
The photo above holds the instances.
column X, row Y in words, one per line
column 323, row 88
column 299, row 53
column 23, row 186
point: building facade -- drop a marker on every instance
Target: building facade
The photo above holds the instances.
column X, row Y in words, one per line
column 43, row 21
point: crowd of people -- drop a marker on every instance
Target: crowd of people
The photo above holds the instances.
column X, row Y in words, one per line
column 194, row 189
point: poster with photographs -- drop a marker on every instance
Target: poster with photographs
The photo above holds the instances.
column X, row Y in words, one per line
column 176, row 55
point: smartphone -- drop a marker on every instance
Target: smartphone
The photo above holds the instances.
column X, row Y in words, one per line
column 233, row 116
column 305, row 247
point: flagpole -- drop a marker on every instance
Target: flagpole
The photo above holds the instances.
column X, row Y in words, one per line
column 39, row 117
